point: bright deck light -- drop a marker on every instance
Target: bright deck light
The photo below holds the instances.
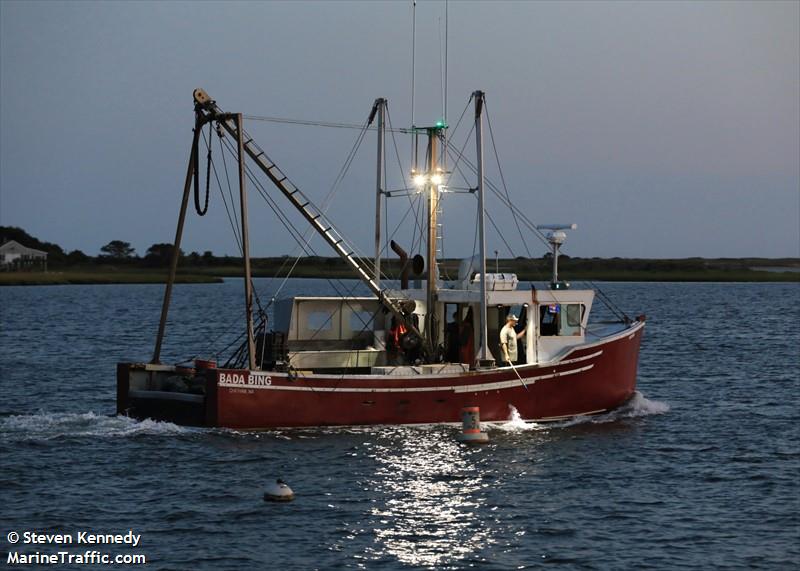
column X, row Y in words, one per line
column 419, row 180
column 436, row 179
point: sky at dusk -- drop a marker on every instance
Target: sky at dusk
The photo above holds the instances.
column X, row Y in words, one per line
column 663, row 129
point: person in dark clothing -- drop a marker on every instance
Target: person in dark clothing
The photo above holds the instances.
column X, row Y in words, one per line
column 451, row 340
column 466, row 340
column 394, row 351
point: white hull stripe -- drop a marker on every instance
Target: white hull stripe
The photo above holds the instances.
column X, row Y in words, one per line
column 516, row 382
column 571, row 361
column 457, row 388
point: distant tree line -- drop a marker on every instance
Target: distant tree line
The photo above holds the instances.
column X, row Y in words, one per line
column 114, row 252
column 120, row 252
column 159, row 255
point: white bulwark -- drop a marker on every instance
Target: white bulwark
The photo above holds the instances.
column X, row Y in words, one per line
column 14, row 257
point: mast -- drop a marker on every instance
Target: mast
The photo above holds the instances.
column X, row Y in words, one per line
column 379, row 109
column 483, row 351
column 433, row 180
column 248, row 284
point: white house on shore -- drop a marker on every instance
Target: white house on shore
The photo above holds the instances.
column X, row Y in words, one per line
column 14, row 257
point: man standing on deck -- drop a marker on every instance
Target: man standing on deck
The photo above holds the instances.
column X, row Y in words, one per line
column 508, row 340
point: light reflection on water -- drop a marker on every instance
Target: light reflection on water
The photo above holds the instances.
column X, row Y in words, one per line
column 429, row 498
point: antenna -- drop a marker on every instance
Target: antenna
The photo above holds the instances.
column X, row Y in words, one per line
column 414, row 138
column 443, row 62
column 556, row 236
column 413, row 54
column 444, row 96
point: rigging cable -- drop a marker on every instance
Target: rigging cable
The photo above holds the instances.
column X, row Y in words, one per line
column 227, row 329
column 615, row 309
column 497, row 229
column 464, row 146
column 461, row 155
column 210, row 345
column 221, row 136
column 231, row 219
column 299, row 239
column 233, row 227
column 526, row 221
column 326, row 202
column 302, row 242
column 403, row 174
column 251, row 177
column 312, row 123
column 532, row 227
column 503, row 178
column 261, row 324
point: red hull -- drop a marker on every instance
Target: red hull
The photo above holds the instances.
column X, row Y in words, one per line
column 590, row 379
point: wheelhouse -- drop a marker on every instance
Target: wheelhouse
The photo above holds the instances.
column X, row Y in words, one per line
column 327, row 334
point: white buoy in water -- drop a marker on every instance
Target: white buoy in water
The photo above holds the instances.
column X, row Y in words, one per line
column 278, row 492
column 471, row 426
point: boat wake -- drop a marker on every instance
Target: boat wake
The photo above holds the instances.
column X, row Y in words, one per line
column 50, row 426
column 516, row 423
column 637, row 406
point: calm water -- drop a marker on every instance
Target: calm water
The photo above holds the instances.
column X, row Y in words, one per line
column 699, row 471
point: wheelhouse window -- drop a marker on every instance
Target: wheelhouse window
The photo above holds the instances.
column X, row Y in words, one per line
column 548, row 322
column 571, row 319
column 561, row 319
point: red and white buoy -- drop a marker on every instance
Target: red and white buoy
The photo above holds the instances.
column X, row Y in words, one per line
column 471, row 426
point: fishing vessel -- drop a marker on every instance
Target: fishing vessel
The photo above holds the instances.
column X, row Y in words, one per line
column 412, row 352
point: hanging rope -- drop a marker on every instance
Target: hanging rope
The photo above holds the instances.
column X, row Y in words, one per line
column 202, row 211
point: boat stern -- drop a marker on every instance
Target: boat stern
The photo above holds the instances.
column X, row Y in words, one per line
column 168, row 393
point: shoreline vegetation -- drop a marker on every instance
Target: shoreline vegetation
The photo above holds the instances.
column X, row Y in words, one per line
column 118, row 263
column 537, row 270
